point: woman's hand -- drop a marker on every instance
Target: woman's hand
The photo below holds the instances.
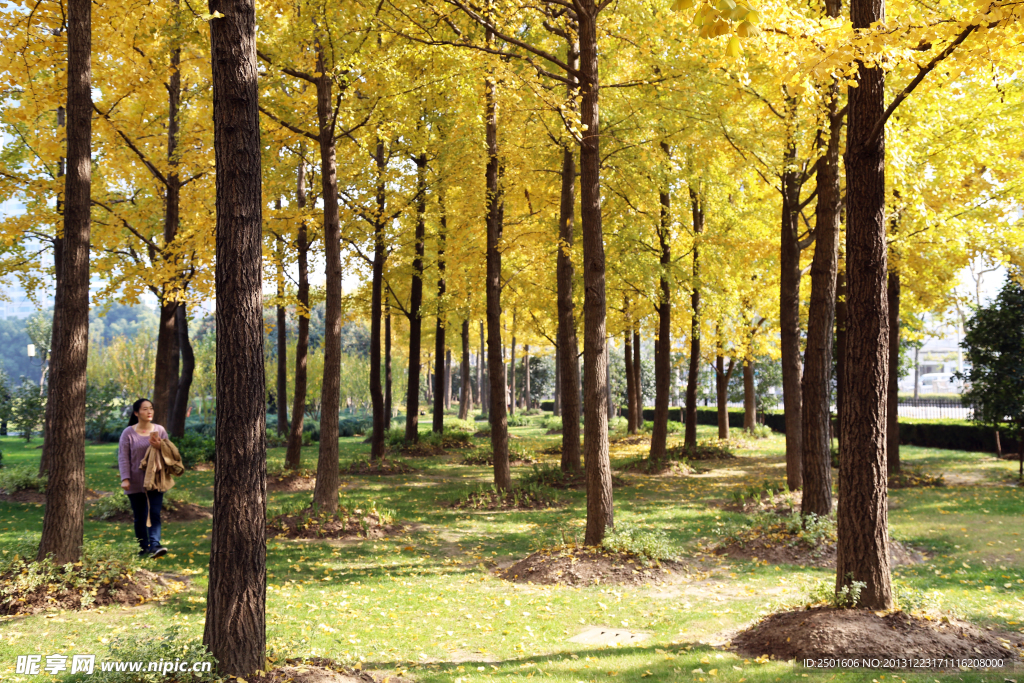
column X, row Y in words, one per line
column 125, row 483
column 155, row 440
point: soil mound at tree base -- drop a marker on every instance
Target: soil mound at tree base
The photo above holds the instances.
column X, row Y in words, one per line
column 380, row 467
column 343, row 524
column 584, row 565
column 487, row 460
column 657, row 467
column 776, row 551
column 291, row 480
column 321, row 670
column 127, row 590
column 863, row 634
column 911, row 479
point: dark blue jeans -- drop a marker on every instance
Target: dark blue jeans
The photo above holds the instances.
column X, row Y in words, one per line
column 149, row 537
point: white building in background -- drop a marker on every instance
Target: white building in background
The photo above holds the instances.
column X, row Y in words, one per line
column 14, row 303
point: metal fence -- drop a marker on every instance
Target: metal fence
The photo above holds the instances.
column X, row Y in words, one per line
column 929, row 409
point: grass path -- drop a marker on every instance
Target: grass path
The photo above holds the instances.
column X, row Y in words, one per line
column 428, row 603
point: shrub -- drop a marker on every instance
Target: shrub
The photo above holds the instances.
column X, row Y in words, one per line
column 355, row 425
column 172, row 646
column 20, row 479
column 110, row 506
column 456, row 425
column 195, row 448
column 824, row 593
column 544, row 475
column 518, row 420
column 551, row 423
column 650, row 545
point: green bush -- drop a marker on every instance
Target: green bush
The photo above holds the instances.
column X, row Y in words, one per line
column 650, row 545
column 544, row 475
column 551, row 423
column 824, row 593
column 171, row 647
column 20, row 479
column 195, row 448
column 518, row 420
column 454, row 424
column 110, row 506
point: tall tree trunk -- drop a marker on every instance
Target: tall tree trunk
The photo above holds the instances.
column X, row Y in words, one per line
column 600, row 512
column 293, row 458
column 162, row 395
column 441, row 370
column 569, row 366
column 64, row 517
column 512, row 372
column 188, row 366
column 816, row 443
column 412, row 395
column 693, row 374
column 325, row 494
column 627, row 357
column 447, row 379
column 863, row 549
column 235, row 629
column 380, row 418
column 749, row 400
column 556, row 407
column 527, row 399
column 465, row 397
column 892, row 411
column 722, row 376
column 663, row 347
column 495, row 365
column 638, row 380
column 481, row 376
column 841, row 323
column 282, row 346
column 789, row 311
column 58, row 265
column 388, row 403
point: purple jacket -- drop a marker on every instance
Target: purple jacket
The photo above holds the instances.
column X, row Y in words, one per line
column 130, row 452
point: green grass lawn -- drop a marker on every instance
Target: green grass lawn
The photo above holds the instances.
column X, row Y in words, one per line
column 428, row 603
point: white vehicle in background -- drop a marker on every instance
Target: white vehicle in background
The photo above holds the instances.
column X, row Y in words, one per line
column 940, row 383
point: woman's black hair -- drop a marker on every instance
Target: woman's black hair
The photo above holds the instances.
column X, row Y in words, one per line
column 134, row 419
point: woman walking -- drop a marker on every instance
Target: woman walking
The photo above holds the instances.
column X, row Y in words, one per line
column 136, row 439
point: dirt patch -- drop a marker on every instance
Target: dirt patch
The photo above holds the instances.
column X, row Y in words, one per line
column 141, row 586
column 39, row 497
column 912, row 479
column 289, row 481
column 482, row 434
column 202, row 467
column 825, row 632
column 379, row 467
column 344, row 524
column 634, row 440
column 552, row 450
column 581, row 566
column 321, row 670
column 775, row 550
column 657, row 467
column 513, row 499
column 487, row 460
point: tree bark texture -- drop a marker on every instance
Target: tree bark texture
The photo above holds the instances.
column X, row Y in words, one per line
column 388, row 410
column 293, row 457
column 512, row 373
column 863, row 550
column 64, row 516
column 816, row 443
column 693, row 374
column 600, row 513
column 569, row 365
column 465, row 394
column 663, row 345
column 841, row 322
column 495, row 364
column 556, row 408
column 481, row 376
column 789, row 312
column 892, row 428
column 282, row 351
column 440, row 359
column 447, row 379
column 162, row 393
column 188, row 367
column 235, row 629
column 380, row 419
column 412, row 396
column 627, row 357
column 638, row 383
column 527, row 399
column 325, row 493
